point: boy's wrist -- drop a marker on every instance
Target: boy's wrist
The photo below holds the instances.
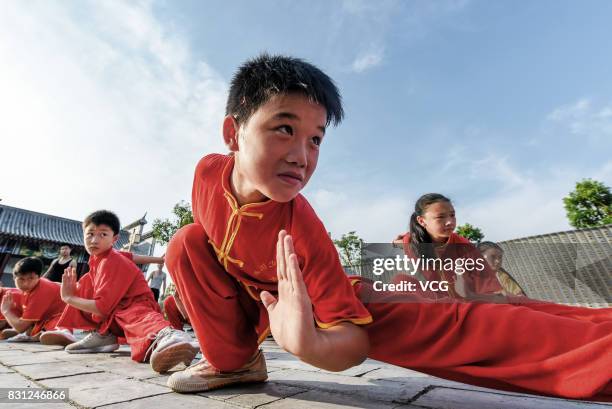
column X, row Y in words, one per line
column 313, row 346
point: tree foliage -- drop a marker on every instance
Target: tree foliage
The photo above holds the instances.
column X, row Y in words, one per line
column 164, row 229
column 473, row 234
column 589, row 205
column 349, row 246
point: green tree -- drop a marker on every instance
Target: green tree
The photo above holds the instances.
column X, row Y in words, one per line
column 473, row 234
column 589, row 205
column 350, row 249
column 164, row 229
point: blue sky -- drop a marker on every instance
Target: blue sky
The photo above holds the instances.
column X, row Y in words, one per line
column 502, row 105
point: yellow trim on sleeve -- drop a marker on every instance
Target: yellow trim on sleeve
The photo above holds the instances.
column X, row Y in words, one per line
column 263, row 336
column 357, row 321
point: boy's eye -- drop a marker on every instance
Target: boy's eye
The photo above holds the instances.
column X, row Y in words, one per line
column 317, row 140
column 285, row 129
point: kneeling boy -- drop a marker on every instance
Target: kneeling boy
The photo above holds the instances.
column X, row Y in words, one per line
column 40, row 305
column 113, row 299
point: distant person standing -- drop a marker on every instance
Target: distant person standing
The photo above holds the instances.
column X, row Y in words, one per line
column 157, row 280
column 57, row 267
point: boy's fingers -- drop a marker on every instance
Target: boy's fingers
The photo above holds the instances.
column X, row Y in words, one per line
column 296, row 274
column 268, row 300
column 282, row 266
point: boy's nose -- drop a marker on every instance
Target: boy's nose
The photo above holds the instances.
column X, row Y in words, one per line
column 298, row 155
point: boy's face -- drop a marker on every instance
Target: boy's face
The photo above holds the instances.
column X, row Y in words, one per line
column 277, row 149
column 98, row 238
column 26, row 282
column 64, row 251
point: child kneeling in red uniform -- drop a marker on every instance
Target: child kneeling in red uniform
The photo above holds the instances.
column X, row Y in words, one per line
column 114, row 300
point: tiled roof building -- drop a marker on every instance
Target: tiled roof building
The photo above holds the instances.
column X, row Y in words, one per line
column 571, row 267
column 28, row 233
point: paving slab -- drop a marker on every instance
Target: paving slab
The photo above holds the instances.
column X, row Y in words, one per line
column 171, row 401
column 369, row 389
column 447, row 398
column 54, row 370
column 254, row 395
column 327, row 400
column 17, row 357
column 93, row 390
column 125, row 367
column 15, row 380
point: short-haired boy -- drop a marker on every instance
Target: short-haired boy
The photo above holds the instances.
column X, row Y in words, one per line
column 40, row 309
column 113, row 300
column 258, row 259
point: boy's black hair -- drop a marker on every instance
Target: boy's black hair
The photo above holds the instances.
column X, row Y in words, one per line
column 66, row 245
column 261, row 78
column 105, row 217
column 28, row 265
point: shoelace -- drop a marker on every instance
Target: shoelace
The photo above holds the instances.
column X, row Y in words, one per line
column 160, row 335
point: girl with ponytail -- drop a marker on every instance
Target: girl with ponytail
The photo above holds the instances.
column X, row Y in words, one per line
column 431, row 230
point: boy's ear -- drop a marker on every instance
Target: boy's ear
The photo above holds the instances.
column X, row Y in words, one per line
column 230, row 133
column 115, row 238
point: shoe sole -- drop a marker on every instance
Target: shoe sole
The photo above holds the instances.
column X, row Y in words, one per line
column 216, row 382
column 97, row 350
column 164, row 360
column 56, row 339
column 4, row 337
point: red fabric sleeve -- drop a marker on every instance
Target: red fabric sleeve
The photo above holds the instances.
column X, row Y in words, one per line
column 113, row 280
column 329, row 288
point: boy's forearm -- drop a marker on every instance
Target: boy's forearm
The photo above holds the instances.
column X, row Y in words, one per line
column 138, row 259
column 83, row 304
column 338, row 348
column 17, row 323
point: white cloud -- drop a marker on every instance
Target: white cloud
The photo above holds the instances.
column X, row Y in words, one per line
column 103, row 106
column 582, row 118
column 377, row 219
column 367, row 60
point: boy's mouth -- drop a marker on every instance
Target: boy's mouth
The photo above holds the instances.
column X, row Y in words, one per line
column 291, row 178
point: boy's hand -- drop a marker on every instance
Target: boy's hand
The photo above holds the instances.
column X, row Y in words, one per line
column 291, row 318
column 7, row 303
column 69, row 284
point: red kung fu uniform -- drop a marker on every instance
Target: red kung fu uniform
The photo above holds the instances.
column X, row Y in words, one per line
column 222, row 262
column 173, row 313
column 123, row 297
column 43, row 306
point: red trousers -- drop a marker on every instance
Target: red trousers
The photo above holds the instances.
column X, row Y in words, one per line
column 173, row 314
column 139, row 323
column 545, row 349
column 48, row 324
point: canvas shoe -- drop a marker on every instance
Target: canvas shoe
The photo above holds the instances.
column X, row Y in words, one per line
column 23, row 337
column 61, row 337
column 170, row 348
column 8, row 333
column 94, row 342
column 204, row 377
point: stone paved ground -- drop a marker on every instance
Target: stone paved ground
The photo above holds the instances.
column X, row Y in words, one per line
column 113, row 380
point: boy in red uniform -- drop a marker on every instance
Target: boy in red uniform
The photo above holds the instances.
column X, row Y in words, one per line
column 40, row 305
column 113, row 299
column 257, row 259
